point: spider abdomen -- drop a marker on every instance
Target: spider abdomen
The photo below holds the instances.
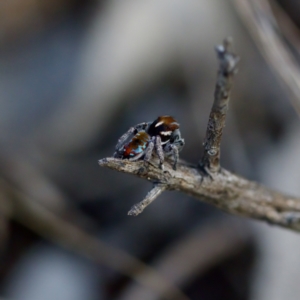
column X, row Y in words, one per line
column 137, row 145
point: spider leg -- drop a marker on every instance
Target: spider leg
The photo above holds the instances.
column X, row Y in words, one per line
column 130, row 131
column 159, row 151
column 148, row 151
column 117, row 154
column 179, row 144
column 173, row 150
column 175, row 155
column 178, row 140
column 137, row 156
column 124, row 137
column 142, row 126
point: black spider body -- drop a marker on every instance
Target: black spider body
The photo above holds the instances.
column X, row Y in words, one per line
column 163, row 135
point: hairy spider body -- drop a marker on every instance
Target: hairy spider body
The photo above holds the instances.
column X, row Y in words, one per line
column 163, row 135
column 165, row 127
column 137, row 146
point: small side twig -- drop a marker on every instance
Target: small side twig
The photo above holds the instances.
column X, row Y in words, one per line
column 216, row 123
column 138, row 208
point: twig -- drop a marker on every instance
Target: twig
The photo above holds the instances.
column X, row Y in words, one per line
column 216, row 122
column 225, row 190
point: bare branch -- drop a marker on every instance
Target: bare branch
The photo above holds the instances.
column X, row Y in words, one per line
column 216, row 122
column 223, row 189
column 226, row 191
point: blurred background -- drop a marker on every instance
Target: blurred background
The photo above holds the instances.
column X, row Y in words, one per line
column 74, row 76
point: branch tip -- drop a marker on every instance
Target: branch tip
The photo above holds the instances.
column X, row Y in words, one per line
column 102, row 162
column 228, row 60
column 227, row 68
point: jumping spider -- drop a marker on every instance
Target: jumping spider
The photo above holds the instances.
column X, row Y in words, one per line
column 163, row 135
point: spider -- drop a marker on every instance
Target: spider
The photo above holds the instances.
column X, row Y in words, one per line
column 163, row 135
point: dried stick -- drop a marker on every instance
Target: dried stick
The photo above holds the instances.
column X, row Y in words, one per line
column 223, row 189
column 150, row 197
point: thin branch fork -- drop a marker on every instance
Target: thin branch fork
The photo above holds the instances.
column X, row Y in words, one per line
column 209, row 182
